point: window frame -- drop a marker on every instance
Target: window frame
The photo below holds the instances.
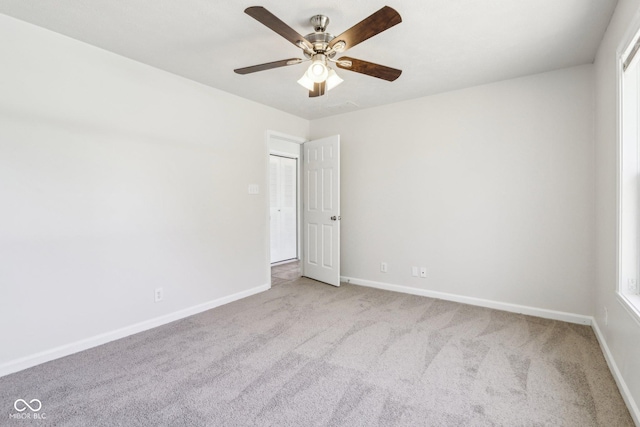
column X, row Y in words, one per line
column 630, row 300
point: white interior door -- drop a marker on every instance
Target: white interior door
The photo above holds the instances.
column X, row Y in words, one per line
column 283, row 208
column 322, row 210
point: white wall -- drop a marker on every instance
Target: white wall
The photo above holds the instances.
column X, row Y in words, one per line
column 117, row 178
column 490, row 188
column 621, row 332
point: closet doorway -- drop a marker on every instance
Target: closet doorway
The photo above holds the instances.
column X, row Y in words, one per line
column 283, row 209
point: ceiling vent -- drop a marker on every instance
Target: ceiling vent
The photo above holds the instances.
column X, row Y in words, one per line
column 343, row 107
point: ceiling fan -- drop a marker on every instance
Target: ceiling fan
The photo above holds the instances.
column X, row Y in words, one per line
column 320, row 47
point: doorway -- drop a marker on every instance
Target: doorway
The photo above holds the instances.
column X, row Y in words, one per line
column 284, row 233
column 283, row 208
column 317, row 205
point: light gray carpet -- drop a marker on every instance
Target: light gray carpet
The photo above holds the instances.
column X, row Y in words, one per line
column 305, row 354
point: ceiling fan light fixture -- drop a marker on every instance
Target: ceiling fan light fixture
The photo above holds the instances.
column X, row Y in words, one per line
column 320, row 47
column 333, row 79
column 318, row 70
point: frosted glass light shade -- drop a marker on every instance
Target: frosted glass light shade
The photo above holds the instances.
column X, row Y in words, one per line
column 318, row 71
column 306, row 82
column 333, row 80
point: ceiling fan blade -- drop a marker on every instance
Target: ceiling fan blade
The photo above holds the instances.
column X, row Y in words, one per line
column 368, row 68
column 378, row 22
column 318, row 89
column 267, row 18
column 268, row 66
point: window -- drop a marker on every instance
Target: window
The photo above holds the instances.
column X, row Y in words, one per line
column 629, row 173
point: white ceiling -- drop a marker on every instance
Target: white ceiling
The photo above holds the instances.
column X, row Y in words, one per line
column 441, row 45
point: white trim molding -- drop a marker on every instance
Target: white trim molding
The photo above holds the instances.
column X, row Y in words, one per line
column 283, row 136
column 631, row 304
column 87, row 343
column 617, row 376
column 498, row 305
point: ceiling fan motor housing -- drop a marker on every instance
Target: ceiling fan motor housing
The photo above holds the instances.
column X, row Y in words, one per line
column 319, row 23
column 320, row 42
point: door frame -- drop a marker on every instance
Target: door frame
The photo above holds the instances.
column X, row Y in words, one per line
column 271, row 140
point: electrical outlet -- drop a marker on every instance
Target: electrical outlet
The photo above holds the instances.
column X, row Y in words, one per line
column 414, row 271
column 606, row 316
column 632, row 285
column 423, row 272
column 159, row 294
column 383, row 267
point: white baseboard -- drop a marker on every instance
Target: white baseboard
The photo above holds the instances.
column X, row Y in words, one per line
column 617, row 375
column 75, row 347
column 514, row 308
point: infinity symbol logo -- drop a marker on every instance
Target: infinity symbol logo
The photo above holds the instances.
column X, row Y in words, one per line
column 26, row 405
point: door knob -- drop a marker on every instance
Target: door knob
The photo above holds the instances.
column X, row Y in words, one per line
column 333, row 218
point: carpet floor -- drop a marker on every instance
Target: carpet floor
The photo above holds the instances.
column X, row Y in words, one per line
column 308, row 354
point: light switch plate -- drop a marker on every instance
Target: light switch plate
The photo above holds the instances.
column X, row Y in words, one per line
column 254, row 189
